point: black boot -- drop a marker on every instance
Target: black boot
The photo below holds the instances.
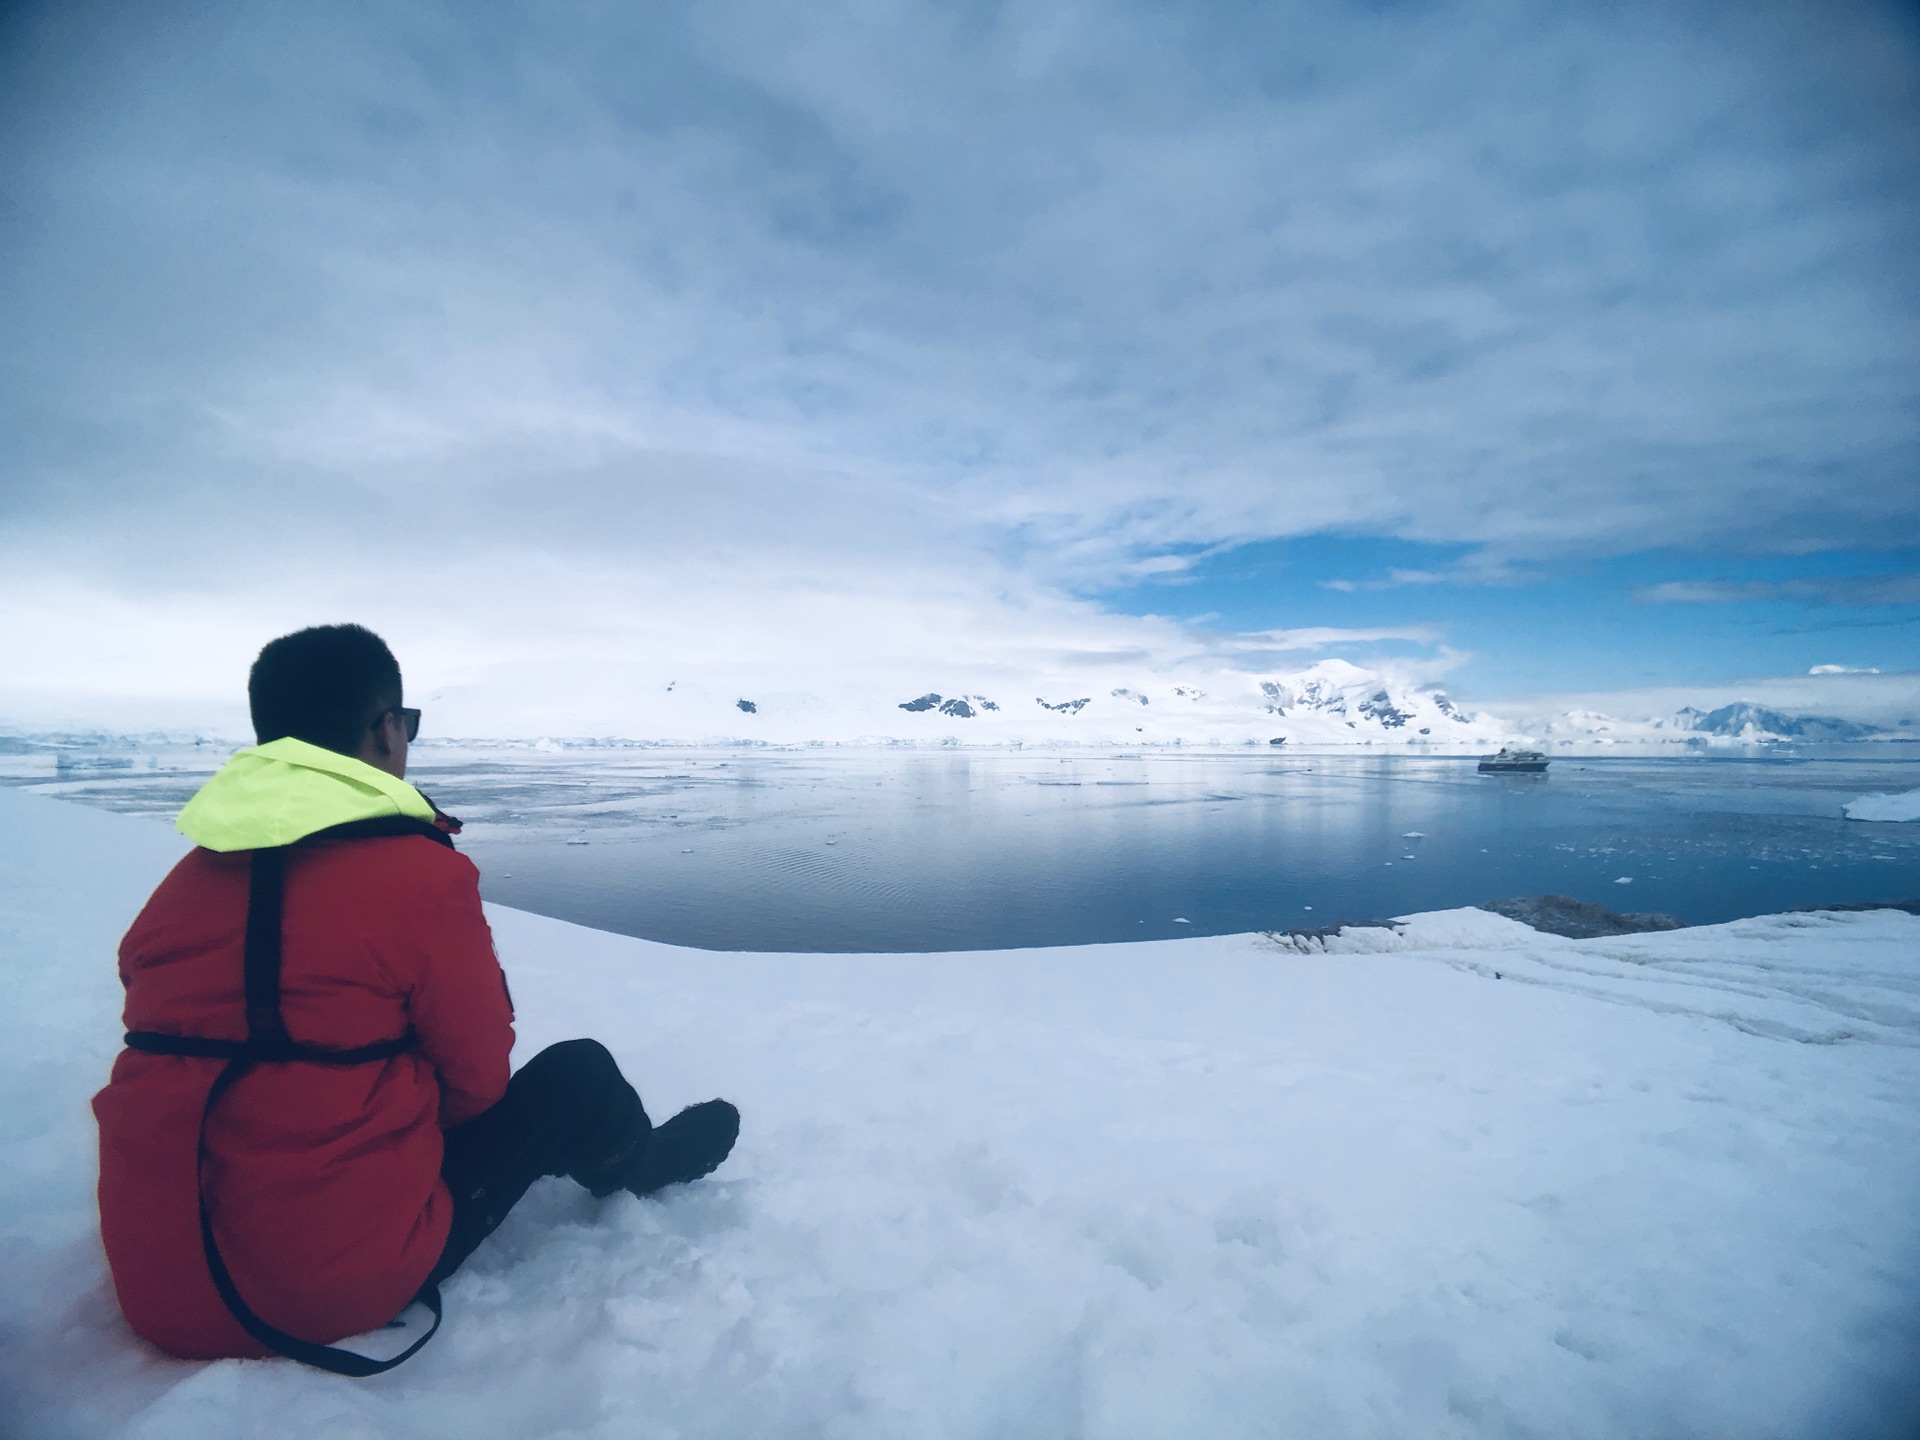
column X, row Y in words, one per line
column 691, row 1144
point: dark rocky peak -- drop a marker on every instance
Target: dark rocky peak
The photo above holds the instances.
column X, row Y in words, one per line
column 957, row 707
column 1065, row 707
column 929, row 701
column 1129, row 695
column 748, row 707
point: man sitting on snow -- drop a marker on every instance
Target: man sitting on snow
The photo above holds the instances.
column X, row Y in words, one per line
column 313, row 1123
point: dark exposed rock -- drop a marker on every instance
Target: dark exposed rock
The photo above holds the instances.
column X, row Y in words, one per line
column 1129, row 695
column 1278, row 740
column 925, row 702
column 1379, row 706
column 1065, row 707
column 957, row 707
column 748, row 706
column 1313, row 940
column 1578, row 919
column 1323, row 695
column 1911, row 907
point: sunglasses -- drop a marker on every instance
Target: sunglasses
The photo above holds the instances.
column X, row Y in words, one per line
column 409, row 718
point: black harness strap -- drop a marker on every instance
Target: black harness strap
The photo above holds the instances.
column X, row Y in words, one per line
column 267, row 1042
column 266, row 890
column 155, row 1043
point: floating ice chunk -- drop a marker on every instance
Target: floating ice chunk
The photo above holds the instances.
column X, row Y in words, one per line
column 1624, row 880
column 1904, row 805
column 1181, row 920
column 1414, row 835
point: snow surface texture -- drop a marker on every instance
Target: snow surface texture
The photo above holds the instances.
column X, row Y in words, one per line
column 1455, row 1178
column 1902, row 806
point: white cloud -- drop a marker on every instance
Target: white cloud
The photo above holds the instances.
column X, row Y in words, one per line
column 638, row 326
column 1325, row 637
column 1870, row 590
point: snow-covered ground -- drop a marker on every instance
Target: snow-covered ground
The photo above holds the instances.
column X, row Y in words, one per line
column 1457, row 1179
column 1904, row 805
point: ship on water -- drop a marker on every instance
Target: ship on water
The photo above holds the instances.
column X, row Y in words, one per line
column 1509, row 762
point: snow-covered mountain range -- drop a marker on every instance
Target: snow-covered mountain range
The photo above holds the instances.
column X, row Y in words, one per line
column 1739, row 723
column 1330, row 702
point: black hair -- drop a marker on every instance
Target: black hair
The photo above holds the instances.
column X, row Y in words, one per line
column 325, row 685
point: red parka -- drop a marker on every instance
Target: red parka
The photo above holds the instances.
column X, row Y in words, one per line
column 323, row 1182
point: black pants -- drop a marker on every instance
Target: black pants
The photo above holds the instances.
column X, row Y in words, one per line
column 568, row 1111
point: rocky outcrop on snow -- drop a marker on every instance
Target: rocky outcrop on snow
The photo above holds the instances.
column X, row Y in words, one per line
column 1579, row 919
column 961, row 707
column 1379, row 706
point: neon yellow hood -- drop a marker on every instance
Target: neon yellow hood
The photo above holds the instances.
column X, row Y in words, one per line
column 277, row 793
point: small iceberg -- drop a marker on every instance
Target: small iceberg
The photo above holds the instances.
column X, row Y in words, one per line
column 1904, row 805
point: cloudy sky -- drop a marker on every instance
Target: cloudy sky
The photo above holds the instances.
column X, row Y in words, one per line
column 1549, row 346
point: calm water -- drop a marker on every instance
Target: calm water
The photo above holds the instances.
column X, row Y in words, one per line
column 876, row 850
